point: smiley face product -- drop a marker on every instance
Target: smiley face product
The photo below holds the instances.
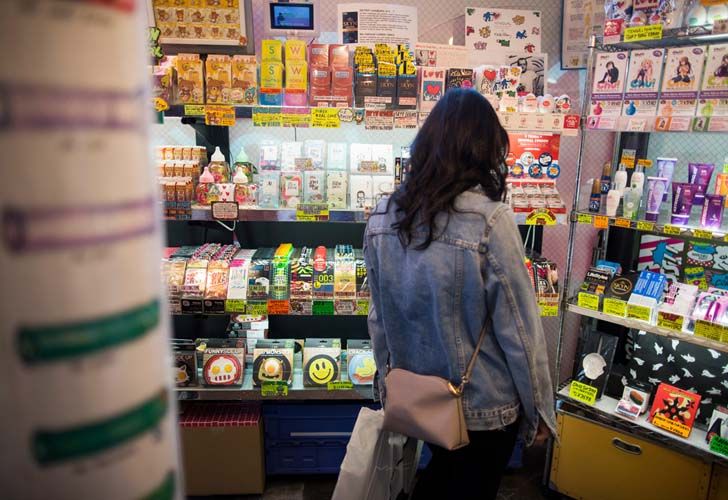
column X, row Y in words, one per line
column 223, row 362
column 360, row 360
column 321, row 361
column 273, row 361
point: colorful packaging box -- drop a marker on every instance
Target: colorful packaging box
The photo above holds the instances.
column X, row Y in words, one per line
column 360, row 362
column 223, row 362
column 643, row 82
column 190, row 83
column 610, row 73
column 218, row 72
column 321, row 361
column 244, row 80
column 273, row 361
column 680, row 85
column 323, row 273
column 336, row 189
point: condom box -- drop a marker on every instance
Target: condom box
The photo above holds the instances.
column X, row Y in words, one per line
column 321, row 362
column 323, row 273
column 237, row 291
column 362, row 283
column 361, row 367
column 273, row 361
column 193, row 289
column 259, row 275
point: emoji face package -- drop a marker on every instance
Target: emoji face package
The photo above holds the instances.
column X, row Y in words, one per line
column 321, row 361
column 273, row 361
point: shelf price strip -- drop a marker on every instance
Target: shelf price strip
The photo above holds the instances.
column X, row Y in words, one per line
column 275, row 388
column 340, row 385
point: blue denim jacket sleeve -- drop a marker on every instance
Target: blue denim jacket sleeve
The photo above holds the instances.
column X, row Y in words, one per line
column 516, row 322
column 376, row 328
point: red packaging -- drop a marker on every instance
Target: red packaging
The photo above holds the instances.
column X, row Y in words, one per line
column 674, row 409
column 318, row 55
column 338, row 55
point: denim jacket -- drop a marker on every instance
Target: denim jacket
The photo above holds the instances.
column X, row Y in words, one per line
column 428, row 308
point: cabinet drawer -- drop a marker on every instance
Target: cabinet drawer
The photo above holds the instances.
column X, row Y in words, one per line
column 594, row 462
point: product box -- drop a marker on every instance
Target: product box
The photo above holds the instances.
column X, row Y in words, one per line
column 344, row 272
column 323, row 273
column 269, row 191
column 193, row 289
column 302, row 274
column 185, row 365
column 217, row 442
column 407, row 90
column 643, row 82
column 174, row 272
column 337, row 155
column 677, row 305
column 190, row 83
column 271, row 83
column 289, row 152
column 713, row 102
column 314, row 184
column 321, row 361
column 617, row 293
column 280, row 270
column 680, row 85
column 271, row 50
column 595, row 281
column 635, row 399
column 244, row 80
column 337, row 189
column 361, row 191
column 362, row 283
column 295, row 50
column 223, row 361
column 459, row 78
column 718, row 424
column 296, row 83
column 291, row 189
column 269, row 155
column 648, row 289
column 383, row 155
column 431, row 87
column 360, row 158
column 218, row 73
column 216, row 287
column 360, row 362
column 318, row 55
column 259, row 275
column 610, row 73
column 674, row 409
column 273, row 361
column 316, row 151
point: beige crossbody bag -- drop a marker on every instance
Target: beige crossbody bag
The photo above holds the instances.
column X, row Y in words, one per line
column 428, row 407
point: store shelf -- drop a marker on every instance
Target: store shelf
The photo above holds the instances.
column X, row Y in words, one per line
column 678, row 37
column 673, row 231
column 648, row 327
column 204, row 213
column 603, row 412
column 296, row 392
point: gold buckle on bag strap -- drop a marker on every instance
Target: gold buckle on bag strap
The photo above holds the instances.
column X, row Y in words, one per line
column 455, row 391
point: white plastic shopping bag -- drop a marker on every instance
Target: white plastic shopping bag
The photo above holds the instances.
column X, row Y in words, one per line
column 378, row 465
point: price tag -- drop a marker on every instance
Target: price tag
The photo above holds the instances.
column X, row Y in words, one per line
column 325, row 118
column 601, row 221
column 194, row 110
column 644, row 225
column 235, row 306
column 224, row 210
column 588, row 301
column 278, row 307
column 222, row 116
column 615, row 307
column 272, row 389
column 311, row 212
column 548, row 309
column 583, row 392
column 669, row 425
column 340, row 385
column 541, row 217
column 362, row 307
column 671, row 230
column 323, row 308
column 642, row 313
column 257, row 308
column 267, row 117
column 621, row 222
column 708, row 330
column 296, row 117
column 584, row 219
column 640, row 33
column 702, row 234
column 669, row 321
column 719, row 445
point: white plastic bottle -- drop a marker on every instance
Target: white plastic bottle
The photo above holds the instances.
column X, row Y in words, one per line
column 620, row 180
column 638, row 179
column 613, row 202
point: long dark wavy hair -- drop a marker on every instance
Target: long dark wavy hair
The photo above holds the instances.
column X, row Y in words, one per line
column 460, row 146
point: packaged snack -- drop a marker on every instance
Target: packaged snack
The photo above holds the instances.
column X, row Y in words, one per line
column 314, row 186
column 291, row 189
column 643, row 81
column 268, row 192
column 273, row 361
column 680, row 84
column 321, row 361
column 218, row 71
column 336, row 189
column 189, row 79
column 610, row 73
column 361, row 191
column 244, row 80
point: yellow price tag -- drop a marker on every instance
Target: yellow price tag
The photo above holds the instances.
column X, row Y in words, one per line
column 670, row 425
column 601, row 221
column 588, row 301
column 642, row 313
column 584, row 219
column 296, row 119
column 669, row 321
column 708, row 330
column 615, row 307
column 257, row 308
column 640, row 33
column 235, row 306
column 362, row 307
column 277, row 388
column 310, row 212
column 221, row 116
column 644, row 225
column 267, row 117
column 725, row 238
column 621, row 222
column 702, row 234
column 671, row 230
column 583, row 392
column 325, row 118
column 340, row 385
column 194, row 109
column 548, row 310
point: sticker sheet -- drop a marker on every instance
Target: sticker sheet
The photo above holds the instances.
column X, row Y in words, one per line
column 491, row 34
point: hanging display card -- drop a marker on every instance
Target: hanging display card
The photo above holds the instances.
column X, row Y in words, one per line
column 493, row 33
column 640, row 98
column 610, row 73
column 713, row 102
column 680, row 84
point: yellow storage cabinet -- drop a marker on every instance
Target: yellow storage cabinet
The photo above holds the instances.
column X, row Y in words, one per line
column 719, row 483
column 594, row 462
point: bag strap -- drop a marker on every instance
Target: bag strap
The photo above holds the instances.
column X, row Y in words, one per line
column 471, row 364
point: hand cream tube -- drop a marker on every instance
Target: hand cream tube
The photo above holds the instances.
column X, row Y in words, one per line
column 712, row 215
column 721, row 185
column 683, row 195
column 699, row 174
column 656, row 187
column 665, row 169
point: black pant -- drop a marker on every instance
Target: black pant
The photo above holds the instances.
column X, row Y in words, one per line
column 474, row 471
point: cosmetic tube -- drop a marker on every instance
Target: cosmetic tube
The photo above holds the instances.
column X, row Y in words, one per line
column 656, row 187
column 721, row 185
column 665, row 169
column 699, row 174
column 683, row 195
column 712, row 215
column 631, row 202
column 613, row 202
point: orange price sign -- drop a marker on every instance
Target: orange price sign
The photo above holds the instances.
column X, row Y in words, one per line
column 601, row 221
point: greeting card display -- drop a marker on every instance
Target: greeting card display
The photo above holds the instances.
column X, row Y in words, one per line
column 713, row 103
column 610, row 73
column 680, row 84
column 674, row 410
column 643, row 81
